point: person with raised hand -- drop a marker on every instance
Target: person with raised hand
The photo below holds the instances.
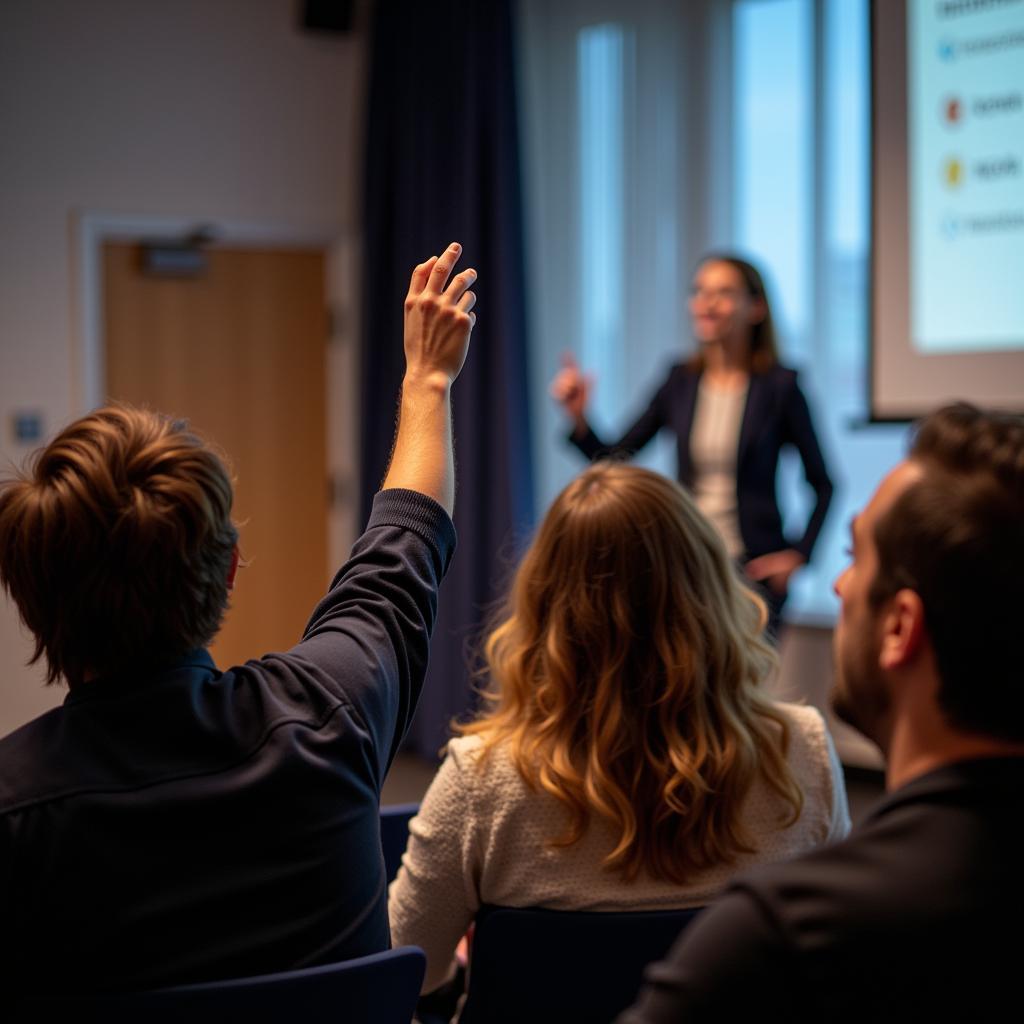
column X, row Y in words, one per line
column 172, row 822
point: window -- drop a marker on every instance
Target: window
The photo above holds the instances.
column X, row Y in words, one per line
column 800, row 210
column 601, row 57
column 601, row 85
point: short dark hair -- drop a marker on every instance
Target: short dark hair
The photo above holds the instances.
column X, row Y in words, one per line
column 116, row 543
column 956, row 537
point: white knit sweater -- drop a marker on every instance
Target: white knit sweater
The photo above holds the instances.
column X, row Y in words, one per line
column 481, row 837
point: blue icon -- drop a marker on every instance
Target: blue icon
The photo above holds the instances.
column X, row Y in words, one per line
column 28, row 426
column 947, row 50
column 950, row 227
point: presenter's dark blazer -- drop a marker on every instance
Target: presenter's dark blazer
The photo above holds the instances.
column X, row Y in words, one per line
column 776, row 414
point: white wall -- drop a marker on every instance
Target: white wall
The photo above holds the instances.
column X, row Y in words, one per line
column 217, row 110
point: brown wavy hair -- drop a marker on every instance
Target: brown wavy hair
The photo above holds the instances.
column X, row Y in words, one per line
column 623, row 677
column 116, row 543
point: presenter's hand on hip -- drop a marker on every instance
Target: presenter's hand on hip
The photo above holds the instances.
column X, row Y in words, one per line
column 775, row 569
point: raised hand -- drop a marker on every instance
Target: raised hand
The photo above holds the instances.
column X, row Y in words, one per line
column 438, row 318
column 438, row 322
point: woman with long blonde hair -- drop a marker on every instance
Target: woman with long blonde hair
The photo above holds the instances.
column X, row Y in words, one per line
column 626, row 756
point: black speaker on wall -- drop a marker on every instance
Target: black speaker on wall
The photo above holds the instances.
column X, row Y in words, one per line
column 328, row 15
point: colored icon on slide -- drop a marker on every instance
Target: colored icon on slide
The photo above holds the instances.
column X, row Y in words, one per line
column 953, row 173
column 952, row 110
column 947, row 50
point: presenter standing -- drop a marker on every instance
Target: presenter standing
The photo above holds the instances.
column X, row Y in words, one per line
column 732, row 408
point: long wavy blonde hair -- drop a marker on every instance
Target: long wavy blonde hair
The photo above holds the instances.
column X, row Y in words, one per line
column 623, row 677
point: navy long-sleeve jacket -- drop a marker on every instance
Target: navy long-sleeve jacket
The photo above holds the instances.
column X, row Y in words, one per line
column 199, row 824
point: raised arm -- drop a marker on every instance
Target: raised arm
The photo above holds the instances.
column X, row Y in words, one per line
column 368, row 638
column 438, row 323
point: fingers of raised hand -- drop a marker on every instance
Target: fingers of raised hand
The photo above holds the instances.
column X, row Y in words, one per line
column 449, row 306
column 438, row 276
column 460, row 283
column 467, row 310
column 464, row 317
column 419, row 278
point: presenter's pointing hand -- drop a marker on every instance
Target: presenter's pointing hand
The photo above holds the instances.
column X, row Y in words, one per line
column 571, row 389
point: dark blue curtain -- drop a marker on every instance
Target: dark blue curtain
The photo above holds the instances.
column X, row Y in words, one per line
column 442, row 165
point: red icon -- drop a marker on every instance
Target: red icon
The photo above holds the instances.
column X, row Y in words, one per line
column 952, row 110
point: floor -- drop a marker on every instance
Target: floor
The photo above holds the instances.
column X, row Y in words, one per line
column 410, row 775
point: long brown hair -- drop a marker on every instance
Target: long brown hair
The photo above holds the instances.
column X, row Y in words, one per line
column 764, row 352
column 624, row 672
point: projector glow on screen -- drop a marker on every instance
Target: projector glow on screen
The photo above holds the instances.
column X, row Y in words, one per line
column 948, row 204
column 966, row 176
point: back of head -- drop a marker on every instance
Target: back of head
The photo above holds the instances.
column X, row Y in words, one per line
column 624, row 671
column 957, row 539
column 116, row 544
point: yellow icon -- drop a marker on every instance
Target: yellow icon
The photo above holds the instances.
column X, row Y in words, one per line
column 953, row 172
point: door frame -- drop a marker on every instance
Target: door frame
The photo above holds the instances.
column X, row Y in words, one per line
column 340, row 247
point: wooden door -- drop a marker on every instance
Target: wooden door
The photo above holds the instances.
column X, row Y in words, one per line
column 240, row 352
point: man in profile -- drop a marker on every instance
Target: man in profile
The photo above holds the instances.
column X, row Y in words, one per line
column 912, row 916
column 171, row 822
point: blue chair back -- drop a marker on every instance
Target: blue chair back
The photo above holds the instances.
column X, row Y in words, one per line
column 378, row 989
column 538, row 965
column 394, row 834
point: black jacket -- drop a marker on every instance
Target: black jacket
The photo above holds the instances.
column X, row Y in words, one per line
column 914, row 917
column 776, row 414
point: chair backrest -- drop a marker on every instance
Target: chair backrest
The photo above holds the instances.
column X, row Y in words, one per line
column 378, row 989
column 394, row 834
column 558, row 965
